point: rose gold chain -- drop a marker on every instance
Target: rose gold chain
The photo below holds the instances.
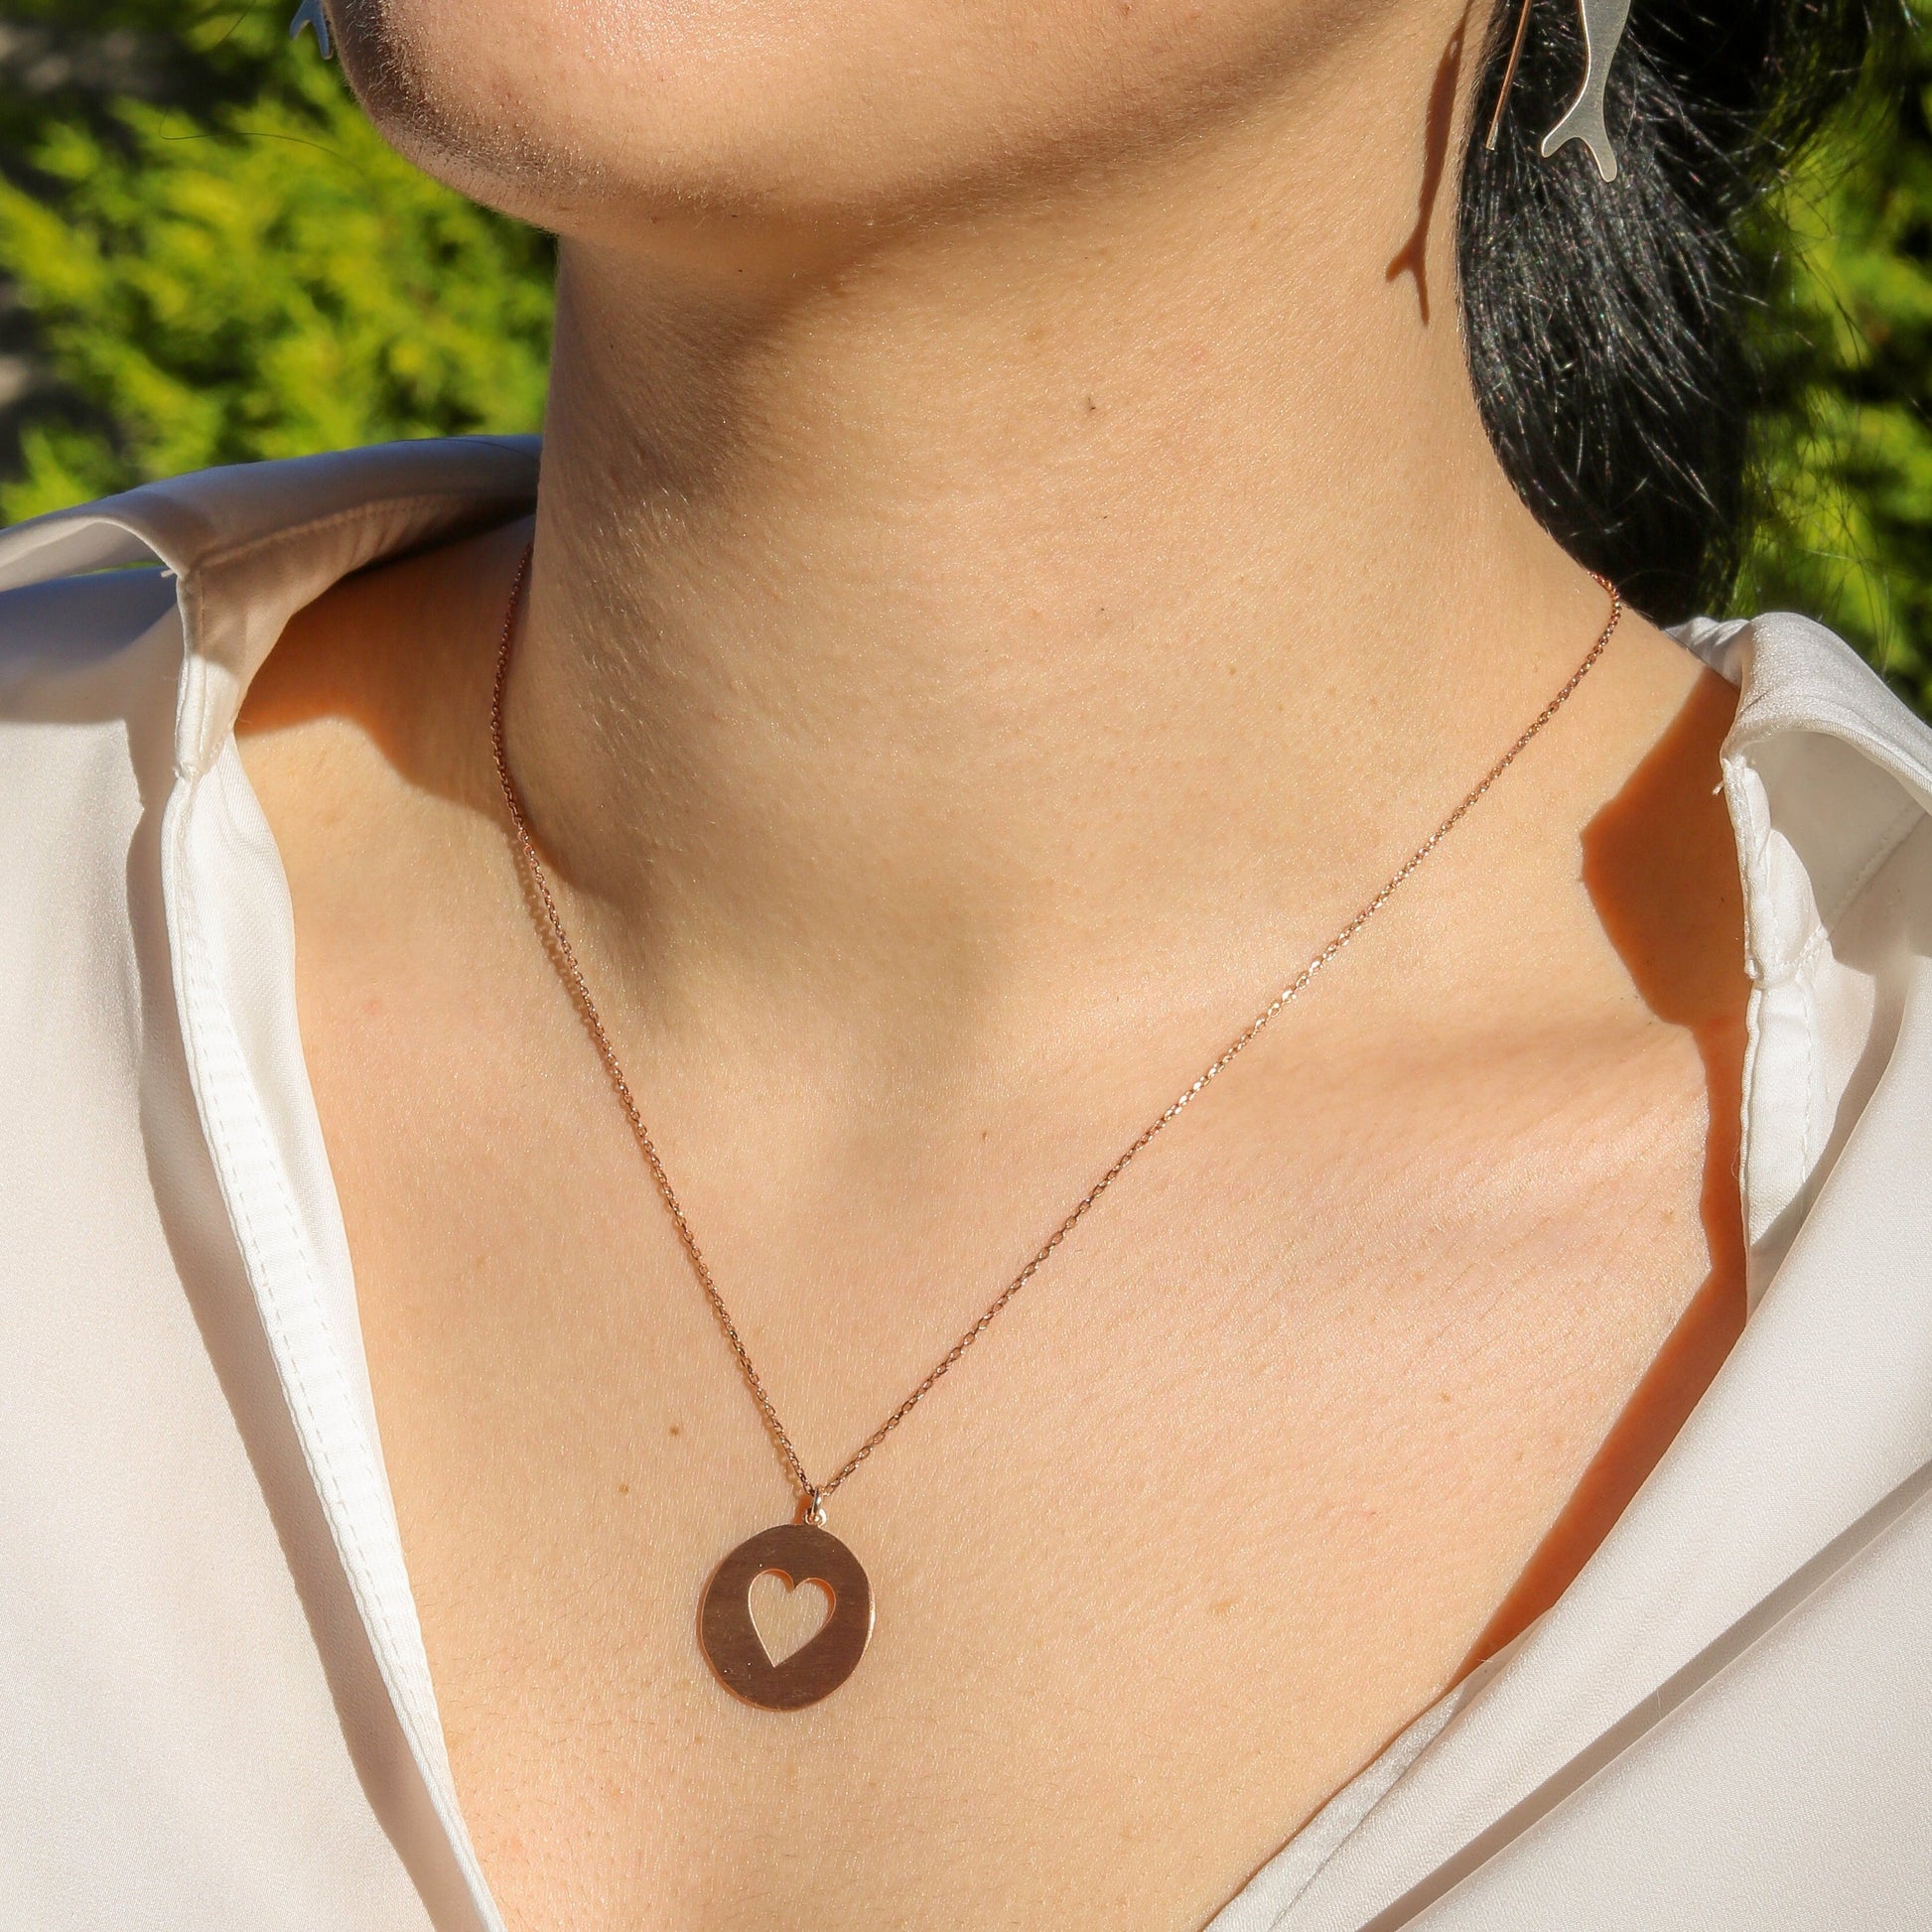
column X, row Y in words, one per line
column 811, row 1495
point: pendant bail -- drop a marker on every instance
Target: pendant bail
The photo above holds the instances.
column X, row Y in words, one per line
column 814, row 1508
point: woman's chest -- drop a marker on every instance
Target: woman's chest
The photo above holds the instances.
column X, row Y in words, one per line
column 1230, row 1493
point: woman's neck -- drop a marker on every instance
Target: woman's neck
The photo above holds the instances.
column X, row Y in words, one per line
column 1117, row 569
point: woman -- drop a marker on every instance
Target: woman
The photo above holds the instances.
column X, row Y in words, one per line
column 1044, row 510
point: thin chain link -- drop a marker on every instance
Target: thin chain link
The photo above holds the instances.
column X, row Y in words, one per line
column 813, row 1494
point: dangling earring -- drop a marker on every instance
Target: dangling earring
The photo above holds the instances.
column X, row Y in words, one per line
column 310, row 14
column 1604, row 25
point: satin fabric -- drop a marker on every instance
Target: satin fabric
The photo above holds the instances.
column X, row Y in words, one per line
column 214, row 1706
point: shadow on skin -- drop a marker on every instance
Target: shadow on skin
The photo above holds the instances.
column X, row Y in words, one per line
column 403, row 653
column 1661, row 870
column 1414, row 258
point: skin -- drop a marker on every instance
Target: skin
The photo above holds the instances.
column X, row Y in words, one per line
column 1017, row 565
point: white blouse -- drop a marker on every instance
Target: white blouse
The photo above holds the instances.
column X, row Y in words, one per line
column 214, row 1708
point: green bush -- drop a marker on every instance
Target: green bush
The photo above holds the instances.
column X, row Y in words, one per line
column 234, row 265
column 213, row 257
column 1846, row 532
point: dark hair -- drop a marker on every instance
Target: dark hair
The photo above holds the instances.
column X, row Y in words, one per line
column 1607, row 323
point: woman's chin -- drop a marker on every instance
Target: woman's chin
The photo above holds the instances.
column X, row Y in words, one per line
column 608, row 122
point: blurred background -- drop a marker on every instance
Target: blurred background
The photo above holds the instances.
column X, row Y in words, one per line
column 207, row 256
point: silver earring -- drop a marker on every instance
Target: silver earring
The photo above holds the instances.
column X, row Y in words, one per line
column 310, row 14
column 1604, row 25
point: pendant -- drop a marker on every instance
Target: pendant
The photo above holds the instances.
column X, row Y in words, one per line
column 797, row 1553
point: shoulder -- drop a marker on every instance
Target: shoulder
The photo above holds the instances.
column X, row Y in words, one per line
column 1828, row 770
column 1827, row 775
column 208, row 569
column 131, row 627
column 70, row 655
column 1798, row 681
column 88, row 669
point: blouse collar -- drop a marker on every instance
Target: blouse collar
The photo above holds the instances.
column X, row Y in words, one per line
column 249, row 545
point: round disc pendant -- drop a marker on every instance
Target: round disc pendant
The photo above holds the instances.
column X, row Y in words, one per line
column 799, row 1553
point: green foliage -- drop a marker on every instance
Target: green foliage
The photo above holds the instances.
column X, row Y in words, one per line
column 236, row 266
column 1846, row 448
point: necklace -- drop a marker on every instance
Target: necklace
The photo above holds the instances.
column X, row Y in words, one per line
column 804, row 1551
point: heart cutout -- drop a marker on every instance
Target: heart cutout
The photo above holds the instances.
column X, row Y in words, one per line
column 818, row 1635
column 787, row 1615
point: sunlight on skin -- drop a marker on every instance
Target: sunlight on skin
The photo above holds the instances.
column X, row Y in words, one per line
column 1015, row 568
